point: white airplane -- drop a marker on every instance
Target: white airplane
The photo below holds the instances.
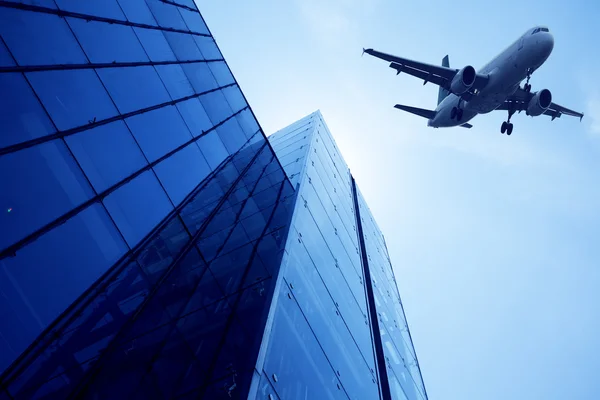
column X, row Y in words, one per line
column 465, row 93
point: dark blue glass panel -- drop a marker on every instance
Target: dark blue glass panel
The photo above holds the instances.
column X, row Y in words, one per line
column 41, row 3
column 216, row 106
column 200, row 76
column 183, row 46
column 248, row 123
column 39, row 38
column 155, row 44
column 107, row 43
column 6, row 59
column 166, row 14
column 73, row 98
column 194, row 21
column 182, row 172
column 21, row 115
column 221, row 72
column 159, row 131
column 104, row 8
column 134, row 88
column 195, row 117
column 235, row 98
column 45, row 174
column 208, row 47
column 137, row 11
column 231, row 135
column 107, row 154
column 175, row 80
column 295, row 357
column 47, row 275
column 213, row 149
column 138, row 207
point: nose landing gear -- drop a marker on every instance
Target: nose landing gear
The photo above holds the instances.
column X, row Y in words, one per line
column 456, row 112
column 527, row 86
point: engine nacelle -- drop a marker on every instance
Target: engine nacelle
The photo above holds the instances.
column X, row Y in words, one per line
column 539, row 103
column 463, row 80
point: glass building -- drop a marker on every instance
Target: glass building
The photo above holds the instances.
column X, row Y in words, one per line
column 152, row 243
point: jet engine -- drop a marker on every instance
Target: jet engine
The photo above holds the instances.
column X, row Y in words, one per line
column 463, row 80
column 539, row 103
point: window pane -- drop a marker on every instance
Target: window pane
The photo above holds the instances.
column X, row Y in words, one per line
column 37, row 185
column 231, row 135
column 137, row 11
column 6, row 59
column 21, row 115
column 107, row 43
column 194, row 21
column 248, row 123
column 213, row 149
column 42, row 3
column 195, row 117
column 216, row 106
column 208, row 47
column 159, row 131
column 107, row 154
column 200, row 76
column 134, row 88
column 175, row 80
column 138, row 207
column 155, row 44
column 49, row 274
column 183, row 46
column 235, row 98
column 166, row 14
column 221, row 73
column 38, row 38
column 104, row 8
column 73, row 98
column 182, row 172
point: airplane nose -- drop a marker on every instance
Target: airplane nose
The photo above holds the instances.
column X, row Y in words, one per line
column 548, row 44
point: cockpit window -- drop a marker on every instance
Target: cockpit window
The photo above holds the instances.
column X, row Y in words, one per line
column 536, row 30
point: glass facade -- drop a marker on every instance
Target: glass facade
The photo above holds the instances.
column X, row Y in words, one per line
column 154, row 244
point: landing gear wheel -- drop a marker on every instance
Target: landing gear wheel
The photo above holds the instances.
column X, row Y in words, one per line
column 527, row 87
column 503, row 127
column 453, row 113
column 459, row 114
column 509, row 129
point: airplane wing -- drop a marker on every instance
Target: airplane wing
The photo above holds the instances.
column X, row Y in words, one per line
column 520, row 100
column 437, row 74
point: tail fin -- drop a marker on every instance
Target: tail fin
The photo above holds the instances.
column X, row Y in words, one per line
column 443, row 93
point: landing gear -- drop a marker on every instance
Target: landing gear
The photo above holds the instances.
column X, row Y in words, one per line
column 527, row 86
column 507, row 126
column 456, row 112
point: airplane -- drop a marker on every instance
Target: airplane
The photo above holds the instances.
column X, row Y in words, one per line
column 465, row 93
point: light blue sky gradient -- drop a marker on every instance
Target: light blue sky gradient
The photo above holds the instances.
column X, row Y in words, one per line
column 495, row 239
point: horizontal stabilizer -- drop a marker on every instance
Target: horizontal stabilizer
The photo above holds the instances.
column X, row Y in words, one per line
column 467, row 126
column 429, row 114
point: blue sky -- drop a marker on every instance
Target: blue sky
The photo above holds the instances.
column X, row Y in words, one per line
column 494, row 239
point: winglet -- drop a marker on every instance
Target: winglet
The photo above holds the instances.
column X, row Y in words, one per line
column 580, row 118
column 363, row 53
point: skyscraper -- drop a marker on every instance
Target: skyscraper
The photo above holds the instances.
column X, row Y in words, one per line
column 151, row 244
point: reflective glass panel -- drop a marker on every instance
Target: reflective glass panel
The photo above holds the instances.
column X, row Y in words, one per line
column 159, row 131
column 104, row 8
column 37, row 185
column 216, row 106
column 182, row 172
column 39, row 38
column 107, row 154
column 194, row 21
column 134, row 88
column 73, row 98
column 155, row 44
column 138, row 207
column 166, row 14
column 175, row 80
column 183, row 46
column 107, row 43
column 194, row 115
column 200, row 76
column 50, row 273
column 213, row 149
column 6, row 59
column 208, row 47
column 21, row 115
column 137, row 11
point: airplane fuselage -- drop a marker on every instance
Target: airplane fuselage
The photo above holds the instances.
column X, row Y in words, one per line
column 506, row 72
